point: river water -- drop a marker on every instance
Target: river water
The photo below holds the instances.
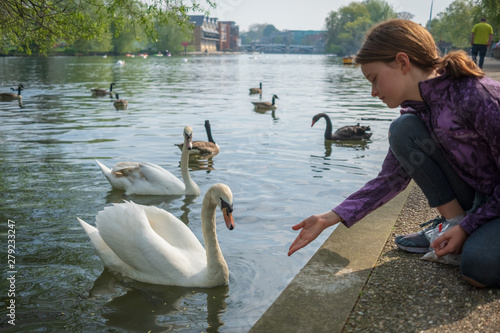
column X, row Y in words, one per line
column 279, row 169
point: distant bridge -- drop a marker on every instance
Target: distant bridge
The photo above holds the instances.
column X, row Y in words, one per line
column 277, row 48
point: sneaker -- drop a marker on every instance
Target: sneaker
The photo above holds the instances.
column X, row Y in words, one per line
column 417, row 242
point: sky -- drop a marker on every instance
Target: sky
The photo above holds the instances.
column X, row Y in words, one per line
column 308, row 14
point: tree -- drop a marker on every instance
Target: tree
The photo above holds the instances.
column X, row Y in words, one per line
column 347, row 27
column 269, row 30
column 379, row 10
column 170, row 37
column 454, row 25
column 405, row 15
column 255, row 33
column 36, row 25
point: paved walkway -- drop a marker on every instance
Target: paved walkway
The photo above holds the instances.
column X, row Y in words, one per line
column 358, row 281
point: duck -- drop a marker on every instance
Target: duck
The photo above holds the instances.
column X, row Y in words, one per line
column 266, row 105
column 144, row 178
column 151, row 245
column 6, row 97
column 345, row 133
column 120, row 104
column 256, row 90
column 103, row 92
column 204, row 147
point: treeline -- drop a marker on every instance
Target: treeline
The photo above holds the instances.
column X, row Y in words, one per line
column 345, row 29
column 122, row 26
column 96, row 26
column 451, row 29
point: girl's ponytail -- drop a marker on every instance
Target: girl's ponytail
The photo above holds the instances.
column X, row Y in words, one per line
column 457, row 64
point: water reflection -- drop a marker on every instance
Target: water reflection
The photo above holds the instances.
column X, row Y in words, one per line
column 357, row 145
column 141, row 307
column 199, row 162
column 273, row 113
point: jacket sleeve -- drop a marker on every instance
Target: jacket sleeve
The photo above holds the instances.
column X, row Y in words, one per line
column 487, row 125
column 391, row 180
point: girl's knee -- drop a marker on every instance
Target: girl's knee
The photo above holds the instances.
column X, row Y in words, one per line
column 402, row 126
column 398, row 124
column 480, row 264
column 480, row 272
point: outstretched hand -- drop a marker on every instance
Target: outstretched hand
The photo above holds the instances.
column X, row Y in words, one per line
column 311, row 228
column 450, row 242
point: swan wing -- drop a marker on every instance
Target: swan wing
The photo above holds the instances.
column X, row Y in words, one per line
column 162, row 178
column 108, row 257
column 172, row 230
column 116, row 180
column 145, row 178
column 351, row 132
column 125, row 228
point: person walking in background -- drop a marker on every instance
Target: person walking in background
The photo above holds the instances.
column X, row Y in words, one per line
column 446, row 139
column 481, row 37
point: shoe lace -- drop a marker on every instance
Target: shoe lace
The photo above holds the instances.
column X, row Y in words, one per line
column 433, row 223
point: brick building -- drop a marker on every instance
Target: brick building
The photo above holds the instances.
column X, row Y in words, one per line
column 210, row 35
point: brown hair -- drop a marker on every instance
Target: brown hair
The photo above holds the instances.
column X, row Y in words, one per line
column 384, row 40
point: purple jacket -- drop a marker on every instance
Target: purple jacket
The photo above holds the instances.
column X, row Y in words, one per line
column 463, row 116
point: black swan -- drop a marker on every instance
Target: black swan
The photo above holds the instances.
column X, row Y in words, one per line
column 345, row 133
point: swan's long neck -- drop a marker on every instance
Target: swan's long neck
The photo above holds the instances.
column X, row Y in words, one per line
column 191, row 186
column 216, row 264
column 328, row 130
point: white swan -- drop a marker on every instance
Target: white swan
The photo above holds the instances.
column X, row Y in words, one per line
column 149, row 244
column 150, row 179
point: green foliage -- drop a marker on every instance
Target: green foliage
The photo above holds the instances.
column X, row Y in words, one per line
column 347, row 27
column 254, row 34
column 491, row 10
column 170, row 37
column 451, row 29
column 269, row 30
column 39, row 25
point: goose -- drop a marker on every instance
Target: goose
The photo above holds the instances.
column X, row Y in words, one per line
column 266, row 105
column 345, row 133
column 103, row 92
column 120, row 104
column 203, row 147
column 256, row 90
column 150, row 179
column 149, row 244
column 6, row 97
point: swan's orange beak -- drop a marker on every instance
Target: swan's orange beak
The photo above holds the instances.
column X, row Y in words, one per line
column 228, row 218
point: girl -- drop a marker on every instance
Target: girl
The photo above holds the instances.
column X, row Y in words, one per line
column 447, row 140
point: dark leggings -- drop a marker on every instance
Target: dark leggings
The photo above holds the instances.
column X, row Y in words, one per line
column 414, row 148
